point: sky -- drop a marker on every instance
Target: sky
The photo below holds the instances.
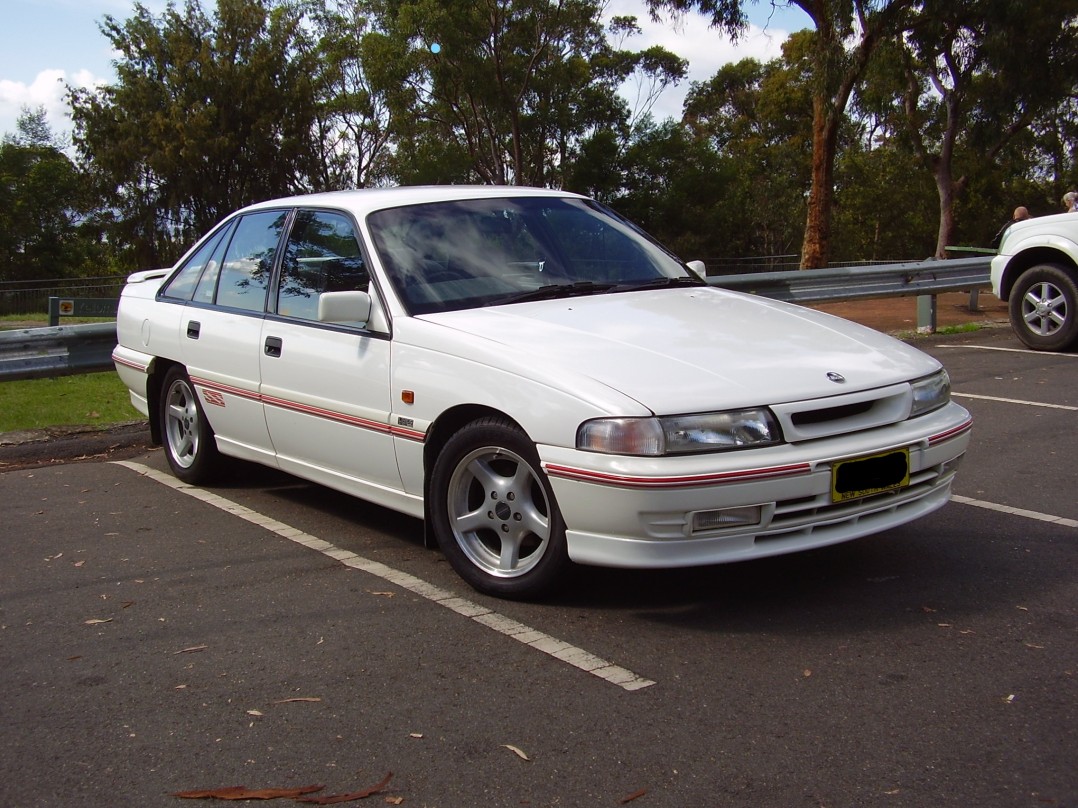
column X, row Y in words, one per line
column 46, row 44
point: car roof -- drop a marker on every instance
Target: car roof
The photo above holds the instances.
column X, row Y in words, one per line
column 362, row 202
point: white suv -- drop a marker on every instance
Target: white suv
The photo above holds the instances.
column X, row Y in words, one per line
column 1036, row 272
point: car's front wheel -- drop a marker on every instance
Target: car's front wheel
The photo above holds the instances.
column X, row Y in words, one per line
column 190, row 446
column 1044, row 308
column 494, row 513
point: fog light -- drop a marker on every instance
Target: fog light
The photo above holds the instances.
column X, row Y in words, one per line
column 951, row 466
column 746, row 516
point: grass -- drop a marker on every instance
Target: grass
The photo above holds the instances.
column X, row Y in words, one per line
column 38, row 320
column 96, row 399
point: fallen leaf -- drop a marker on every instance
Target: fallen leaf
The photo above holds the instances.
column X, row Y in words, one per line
column 300, row 698
column 334, row 799
column 254, row 712
column 516, row 751
column 394, row 800
column 94, row 621
column 385, row 594
column 1009, row 699
column 1032, row 645
column 415, row 735
column 944, row 625
column 1022, row 608
column 193, row 649
column 244, row 793
column 80, row 563
column 634, row 796
column 806, row 673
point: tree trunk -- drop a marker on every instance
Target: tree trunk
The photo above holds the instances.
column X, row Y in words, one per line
column 816, row 246
column 945, row 189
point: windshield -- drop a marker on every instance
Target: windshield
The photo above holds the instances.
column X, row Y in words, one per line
column 446, row 256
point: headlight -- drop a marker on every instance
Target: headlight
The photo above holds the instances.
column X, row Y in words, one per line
column 930, row 393
column 680, row 434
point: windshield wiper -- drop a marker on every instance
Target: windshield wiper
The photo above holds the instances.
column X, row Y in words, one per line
column 659, row 283
column 552, row 291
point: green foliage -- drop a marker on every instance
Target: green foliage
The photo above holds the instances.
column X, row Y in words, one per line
column 43, row 204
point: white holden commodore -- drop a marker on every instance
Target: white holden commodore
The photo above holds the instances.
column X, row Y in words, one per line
column 536, row 379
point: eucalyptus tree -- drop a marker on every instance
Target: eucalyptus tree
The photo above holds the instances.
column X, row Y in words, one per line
column 207, row 113
column 515, row 86
column 756, row 115
column 353, row 126
column 846, row 34
column 979, row 73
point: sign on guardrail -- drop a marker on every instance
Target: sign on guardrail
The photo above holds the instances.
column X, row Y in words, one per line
column 81, row 307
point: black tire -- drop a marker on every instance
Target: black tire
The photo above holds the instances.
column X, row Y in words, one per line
column 494, row 514
column 186, row 435
column 1044, row 308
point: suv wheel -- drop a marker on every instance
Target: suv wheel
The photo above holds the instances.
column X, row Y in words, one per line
column 1044, row 308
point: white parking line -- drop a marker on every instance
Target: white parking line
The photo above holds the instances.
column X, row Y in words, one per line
column 1016, row 401
column 992, row 506
column 562, row 651
column 1011, row 350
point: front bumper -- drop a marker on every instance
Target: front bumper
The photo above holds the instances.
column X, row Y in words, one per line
column 639, row 512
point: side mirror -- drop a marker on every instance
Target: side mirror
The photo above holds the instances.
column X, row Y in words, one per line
column 698, row 267
column 344, row 307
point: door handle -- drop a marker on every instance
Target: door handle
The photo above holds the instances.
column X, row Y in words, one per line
column 193, row 328
column 273, row 346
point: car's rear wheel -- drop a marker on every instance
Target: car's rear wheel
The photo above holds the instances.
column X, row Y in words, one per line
column 190, row 446
column 494, row 513
column 1044, row 308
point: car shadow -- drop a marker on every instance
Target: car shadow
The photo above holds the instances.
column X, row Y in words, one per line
column 945, row 568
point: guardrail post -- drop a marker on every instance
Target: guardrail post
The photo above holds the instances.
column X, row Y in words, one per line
column 926, row 314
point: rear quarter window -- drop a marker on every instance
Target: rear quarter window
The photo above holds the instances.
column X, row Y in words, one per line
column 248, row 261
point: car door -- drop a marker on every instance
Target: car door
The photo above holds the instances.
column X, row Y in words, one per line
column 221, row 330
column 325, row 386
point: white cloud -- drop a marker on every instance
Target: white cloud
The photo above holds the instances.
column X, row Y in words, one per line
column 692, row 38
column 48, row 90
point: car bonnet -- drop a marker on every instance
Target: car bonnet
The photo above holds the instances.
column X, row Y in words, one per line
column 686, row 350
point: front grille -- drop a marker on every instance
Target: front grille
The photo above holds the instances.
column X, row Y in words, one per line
column 801, row 419
column 841, row 415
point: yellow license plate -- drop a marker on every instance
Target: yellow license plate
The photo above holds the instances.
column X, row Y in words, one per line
column 874, row 474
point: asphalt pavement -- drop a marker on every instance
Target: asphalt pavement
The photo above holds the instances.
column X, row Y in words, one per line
column 270, row 633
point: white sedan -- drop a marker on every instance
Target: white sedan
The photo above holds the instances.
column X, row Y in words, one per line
column 536, row 379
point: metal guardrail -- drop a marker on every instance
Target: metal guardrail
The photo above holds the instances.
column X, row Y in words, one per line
column 64, row 350
column 856, row 283
column 37, row 353
column 923, row 279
